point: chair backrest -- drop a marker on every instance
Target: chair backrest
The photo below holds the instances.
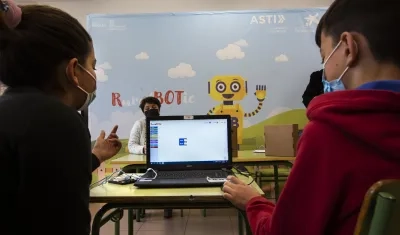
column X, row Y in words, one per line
column 380, row 211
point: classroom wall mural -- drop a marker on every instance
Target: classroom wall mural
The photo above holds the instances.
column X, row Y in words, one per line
column 253, row 65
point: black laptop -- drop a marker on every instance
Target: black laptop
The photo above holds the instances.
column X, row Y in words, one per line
column 187, row 151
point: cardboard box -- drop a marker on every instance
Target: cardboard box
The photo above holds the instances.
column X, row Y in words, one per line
column 235, row 146
column 281, row 140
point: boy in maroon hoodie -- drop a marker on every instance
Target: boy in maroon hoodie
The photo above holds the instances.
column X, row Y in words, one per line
column 353, row 137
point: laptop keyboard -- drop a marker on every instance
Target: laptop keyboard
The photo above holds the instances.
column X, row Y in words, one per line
column 191, row 174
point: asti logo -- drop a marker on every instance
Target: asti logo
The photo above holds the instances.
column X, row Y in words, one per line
column 268, row 19
column 114, row 26
column 110, row 25
column 312, row 19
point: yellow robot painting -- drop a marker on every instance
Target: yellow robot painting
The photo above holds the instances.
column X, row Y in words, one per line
column 230, row 89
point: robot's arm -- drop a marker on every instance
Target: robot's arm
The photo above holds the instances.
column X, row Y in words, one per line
column 260, row 94
column 253, row 113
column 211, row 111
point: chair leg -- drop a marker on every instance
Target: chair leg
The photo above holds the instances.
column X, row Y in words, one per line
column 137, row 215
column 181, row 212
column 204, row 212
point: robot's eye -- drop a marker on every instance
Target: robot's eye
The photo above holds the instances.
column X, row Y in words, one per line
column 221, row 87
column 235, row 86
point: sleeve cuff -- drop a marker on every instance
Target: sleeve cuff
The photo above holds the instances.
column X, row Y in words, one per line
column 256, row 200
column 95, row 162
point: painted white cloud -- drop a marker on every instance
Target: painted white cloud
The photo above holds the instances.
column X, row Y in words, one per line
column 104, row 65
column 101, row 76
column 230, row 52
column 247, row 123
column 142, row 56
column 281, row 58
column 182, row 70
column 101, row 73
column 124, row 120
column 241, row 43
column 277, row 111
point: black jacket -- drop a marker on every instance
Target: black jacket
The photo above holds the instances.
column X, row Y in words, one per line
column 314, row 87
column 47, row 164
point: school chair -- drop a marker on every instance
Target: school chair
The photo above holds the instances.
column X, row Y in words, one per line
column 380, row 211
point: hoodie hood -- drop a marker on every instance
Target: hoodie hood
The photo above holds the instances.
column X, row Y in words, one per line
column 370, row 114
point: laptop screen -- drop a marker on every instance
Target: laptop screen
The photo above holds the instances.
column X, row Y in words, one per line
column 197, row 141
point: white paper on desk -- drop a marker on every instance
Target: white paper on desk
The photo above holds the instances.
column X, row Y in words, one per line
column 259, row 151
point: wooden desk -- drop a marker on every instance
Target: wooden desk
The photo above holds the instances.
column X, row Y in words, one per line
column 129, row 197
column 243, row 157
column 246, row 157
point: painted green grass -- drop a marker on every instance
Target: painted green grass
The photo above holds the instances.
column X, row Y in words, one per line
column 254, row 135
column 121, row 153
column 108, row 162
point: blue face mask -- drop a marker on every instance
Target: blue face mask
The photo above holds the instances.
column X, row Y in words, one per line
column 334, row 85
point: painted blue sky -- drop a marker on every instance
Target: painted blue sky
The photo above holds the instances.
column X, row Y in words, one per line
column 140, row 53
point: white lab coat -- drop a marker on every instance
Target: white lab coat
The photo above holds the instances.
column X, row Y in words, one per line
column 137, row 138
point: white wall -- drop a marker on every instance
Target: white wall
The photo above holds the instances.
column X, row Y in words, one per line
column 81, row 8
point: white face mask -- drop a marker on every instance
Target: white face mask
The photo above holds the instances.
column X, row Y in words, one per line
column 89, row 96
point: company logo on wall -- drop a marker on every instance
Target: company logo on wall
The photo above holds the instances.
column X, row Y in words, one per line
column 110, row 25
column 276, row 21
column 310, row 23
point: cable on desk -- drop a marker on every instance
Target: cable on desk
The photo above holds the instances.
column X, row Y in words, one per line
column 113, row 175
column 121, row 172
column 243, row 173
column 144, row 176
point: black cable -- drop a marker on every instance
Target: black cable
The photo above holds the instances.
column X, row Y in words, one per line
column 244, row 173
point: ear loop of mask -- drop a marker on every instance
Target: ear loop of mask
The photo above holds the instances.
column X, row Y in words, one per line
column 333, row 51
column 347, row 68
column 79, row 87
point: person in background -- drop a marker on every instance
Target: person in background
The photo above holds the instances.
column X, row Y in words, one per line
column 352, row 139
column 47, row 61
column 150, row 107
column 314, row 87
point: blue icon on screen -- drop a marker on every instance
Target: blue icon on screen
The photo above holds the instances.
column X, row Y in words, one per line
column 182, row 141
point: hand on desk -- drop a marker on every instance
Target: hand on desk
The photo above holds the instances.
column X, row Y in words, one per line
column 106, row 148
column 239, row 193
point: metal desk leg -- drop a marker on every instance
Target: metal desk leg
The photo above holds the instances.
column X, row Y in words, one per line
column 257, row 175
column 117, row 227
column 240, row 224
column 243, row 218
column 137, row 215
column 98, row 220
column 130, row 222
column 276, row 179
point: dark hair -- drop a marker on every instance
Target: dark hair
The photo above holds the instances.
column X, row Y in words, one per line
column 376, row 20
column 318, row 32
column 32, row 52
column 149, row 100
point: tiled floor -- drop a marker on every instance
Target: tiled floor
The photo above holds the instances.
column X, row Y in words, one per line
column 217, row 221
